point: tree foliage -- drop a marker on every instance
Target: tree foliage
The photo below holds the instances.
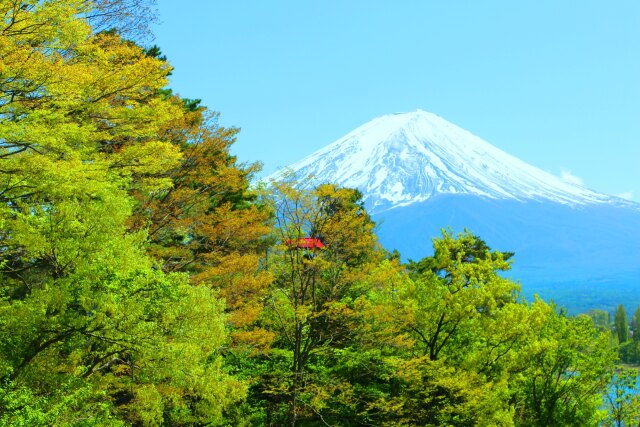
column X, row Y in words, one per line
column 621, row 325
column 91, row 331
column 474, row 350
column 314, row 294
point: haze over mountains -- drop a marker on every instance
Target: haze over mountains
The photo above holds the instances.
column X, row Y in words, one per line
column 419, row 173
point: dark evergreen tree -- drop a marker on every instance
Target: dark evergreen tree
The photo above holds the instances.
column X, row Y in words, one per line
column 621, row 325
column 634, row 352
column 635, row 327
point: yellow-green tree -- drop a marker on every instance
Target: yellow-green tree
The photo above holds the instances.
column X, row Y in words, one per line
column 327, row 249
column 470, row 351
column 567, row 371
column 90, row 330
column 622, row 401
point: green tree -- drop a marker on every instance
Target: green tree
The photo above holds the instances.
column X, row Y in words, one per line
column 469, row 351
column 636, row 325
column 567, row 371
column 460, row 324
column 622, row 401
column 626, row 348
column 209, row 224
column 634, row 351
column 459, row 286
column 621, row 325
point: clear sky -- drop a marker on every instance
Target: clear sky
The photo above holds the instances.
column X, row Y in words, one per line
column 555, row 83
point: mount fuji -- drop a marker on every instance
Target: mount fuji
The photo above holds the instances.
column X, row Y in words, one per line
column 419, row 173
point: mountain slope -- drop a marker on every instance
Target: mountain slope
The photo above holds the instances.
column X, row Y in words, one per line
column 399, row 159
column 581, row 257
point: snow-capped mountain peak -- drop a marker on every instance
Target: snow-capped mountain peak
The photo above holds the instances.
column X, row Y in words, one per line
column 403, row 158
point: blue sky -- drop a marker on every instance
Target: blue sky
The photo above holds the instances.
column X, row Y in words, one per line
column 555, row 83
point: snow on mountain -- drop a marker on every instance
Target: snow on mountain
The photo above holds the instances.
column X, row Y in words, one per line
column 404, row 158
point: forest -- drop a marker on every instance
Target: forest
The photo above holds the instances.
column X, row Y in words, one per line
column 146, row 281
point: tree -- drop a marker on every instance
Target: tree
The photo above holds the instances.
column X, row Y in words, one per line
column 313, row 296
column 633, row 352
column 462, row 325
column 568, row 368
column 209, row 224
column 469, row 351
column 459, row 286
column 131, row 18
column 621, row 325
column 626, row 348
column 636, row 325
column 623, row 404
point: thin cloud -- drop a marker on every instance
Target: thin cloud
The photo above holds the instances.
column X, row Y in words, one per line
column 567, row 176
column 626, row 195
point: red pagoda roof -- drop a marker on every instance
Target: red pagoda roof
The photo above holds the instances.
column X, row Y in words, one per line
column 306, row 243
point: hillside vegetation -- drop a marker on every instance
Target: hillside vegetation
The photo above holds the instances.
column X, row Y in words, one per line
column 145, row 282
